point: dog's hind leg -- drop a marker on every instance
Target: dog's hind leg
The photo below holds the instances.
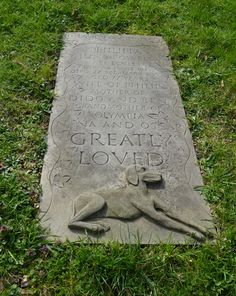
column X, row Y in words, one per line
column 160, row 218
column 86, row 205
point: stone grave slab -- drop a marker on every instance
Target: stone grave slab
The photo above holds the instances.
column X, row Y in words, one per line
column 120, row 163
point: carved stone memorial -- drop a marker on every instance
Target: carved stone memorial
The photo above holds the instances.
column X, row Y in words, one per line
column 120, row 163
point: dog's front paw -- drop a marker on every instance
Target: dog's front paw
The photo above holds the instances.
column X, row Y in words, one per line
column 102, row 227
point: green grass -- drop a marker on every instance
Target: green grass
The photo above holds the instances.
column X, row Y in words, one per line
column 202, row 41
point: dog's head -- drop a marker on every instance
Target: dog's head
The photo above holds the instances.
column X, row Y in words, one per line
column 137, row 173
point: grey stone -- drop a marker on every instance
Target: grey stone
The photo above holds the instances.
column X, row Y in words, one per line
column 120, row 163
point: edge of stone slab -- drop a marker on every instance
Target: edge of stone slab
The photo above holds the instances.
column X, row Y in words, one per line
column 89, row 241
column 120, row 37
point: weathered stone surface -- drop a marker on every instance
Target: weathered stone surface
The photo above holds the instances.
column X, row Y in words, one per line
column 118, row 110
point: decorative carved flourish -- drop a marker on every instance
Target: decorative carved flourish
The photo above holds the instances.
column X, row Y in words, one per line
column 130, row 202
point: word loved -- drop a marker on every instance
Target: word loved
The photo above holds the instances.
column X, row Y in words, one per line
column 103, row 158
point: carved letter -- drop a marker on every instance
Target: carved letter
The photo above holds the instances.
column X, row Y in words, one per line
column 139, row 138
column 110, row 139
column 137, row 159
column 153, row 145
column 98, row 155
column 144, row 125
column 122, row 160
column 129, row 124
column 75, row 139
column 96, row 137
column 81, row 158
column 126, row 139
column 154, row 159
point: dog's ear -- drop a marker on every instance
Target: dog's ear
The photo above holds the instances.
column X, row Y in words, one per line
column 131, row 175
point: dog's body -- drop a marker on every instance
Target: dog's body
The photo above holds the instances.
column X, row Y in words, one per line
column 131, row 202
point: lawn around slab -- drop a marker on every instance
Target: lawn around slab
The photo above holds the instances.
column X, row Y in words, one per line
column 202, row 42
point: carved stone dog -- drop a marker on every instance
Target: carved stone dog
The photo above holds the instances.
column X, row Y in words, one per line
column 130, row 202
